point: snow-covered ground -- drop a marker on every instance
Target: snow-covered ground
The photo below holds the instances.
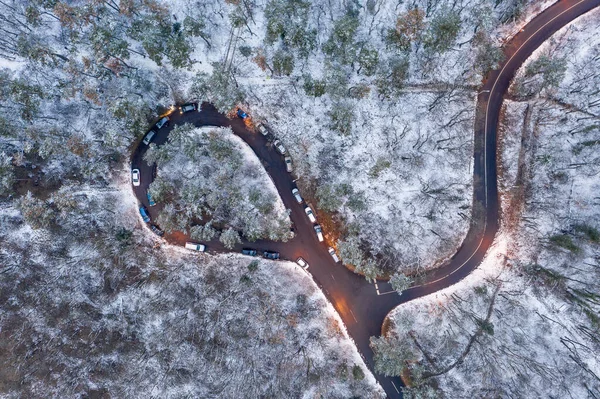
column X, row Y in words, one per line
column 113, row 313
column 525, row 324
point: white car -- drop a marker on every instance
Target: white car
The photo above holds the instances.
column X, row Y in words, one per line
column 310, row 214
column 262, row 129
column 303, row 264
column 195, row 247
column 135, row 177
column 279, row 147
column 288, row 164
column 333, row 254
column 319, row 232
column 296, row 194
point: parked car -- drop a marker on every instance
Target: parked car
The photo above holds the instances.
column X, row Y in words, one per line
column 164, row 121
column 195, row 247
column 288, row 164
column 149, row 137
column 333, row 254
column 249, row 252
column 262, row 129
column 156, row 230
column 154, row 171
column 135, row 177
column 150, row 199
column 310, row 214
column 319, row 232
column 189, row 107
column 279, row 147
column 242, row 114
column 144, row 213
column 303, row 264
column 271, row 255
column 296, row 194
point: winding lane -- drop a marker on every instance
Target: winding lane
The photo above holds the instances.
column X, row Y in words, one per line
column 360, row 306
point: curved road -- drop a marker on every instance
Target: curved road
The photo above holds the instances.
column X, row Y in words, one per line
column 363, row 308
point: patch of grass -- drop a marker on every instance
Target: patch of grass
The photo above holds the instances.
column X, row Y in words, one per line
column 577, row 148
column 548, row 277
column 583, row 299
column 485, row 325
column 566, row 242
column 590, row 232
column 253, row 266
column 380, row 165
column 593, row 317
column 481, row 290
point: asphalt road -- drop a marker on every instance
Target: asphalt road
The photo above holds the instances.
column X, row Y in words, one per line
column 363, row 308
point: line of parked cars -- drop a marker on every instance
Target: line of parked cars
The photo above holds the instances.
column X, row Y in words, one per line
column 273, row 256
column 136, row 176
column 165, row 120
column 280, row 148
column 146, row 218
column 313, row 219
column 277, row 144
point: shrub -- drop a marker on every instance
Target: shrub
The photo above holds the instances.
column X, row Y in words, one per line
column 358, row 373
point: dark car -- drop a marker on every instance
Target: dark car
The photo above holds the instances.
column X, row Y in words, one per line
column 249, row 252
column 144, row 213
column 156, row 230
column 271, row 255
column 242, row 114
column 150, row 200
column 189, row 107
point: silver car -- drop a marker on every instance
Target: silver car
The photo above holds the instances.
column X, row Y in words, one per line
column 149, row 137
column 279, row 147
column 262, row 129
column 162, row 122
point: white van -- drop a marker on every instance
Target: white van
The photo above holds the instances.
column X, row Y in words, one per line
column 310, row 214
column 195, row 247
column 319, row 232
column 333, row 254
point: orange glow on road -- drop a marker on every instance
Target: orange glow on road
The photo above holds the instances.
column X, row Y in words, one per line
column 341, row 306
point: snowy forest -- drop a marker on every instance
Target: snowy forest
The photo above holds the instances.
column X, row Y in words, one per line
column 211, row 175
column 374, row 101
column 85, row 78
column 527, row 324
